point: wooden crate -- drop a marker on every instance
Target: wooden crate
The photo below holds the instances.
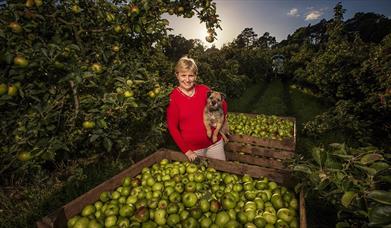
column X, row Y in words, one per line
column 269, row 153
column 59, row 217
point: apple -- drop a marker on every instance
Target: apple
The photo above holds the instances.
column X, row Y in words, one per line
column 190, row 187
column 259, row 221
column 172, row 208
column 222, row 218
column 189, row 199
column 160, row 216
column 21, row 61
column 196, row 213
column 153, row 203
column 277, row 201
column 111, row 209
column 184, row 215
column 97, row 68
column 15, row 27
column 228, row 202
column 241, row 217
column 173, row 219
column 127, row 210
column 260, row 203
column 142, row 214
column 179, row 187
column 122, row 222
column 191, row 168
column 269, row 217
column 285, row 214
column 199, row 177
column 204, row 205
column 214, row 206
column 205, row 222
column 132, row 199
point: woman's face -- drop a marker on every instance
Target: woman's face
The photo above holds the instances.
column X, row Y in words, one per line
column 186, row 79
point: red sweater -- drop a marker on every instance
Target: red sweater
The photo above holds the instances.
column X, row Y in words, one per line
column 185, row 119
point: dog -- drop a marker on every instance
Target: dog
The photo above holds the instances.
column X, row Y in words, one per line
column 214, row 116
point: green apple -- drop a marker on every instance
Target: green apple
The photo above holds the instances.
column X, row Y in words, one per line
column 172, row 208
column 189, row 199
column 269, row 217
column 204, row 205
column 173, row 219
column 175, row 197
column 190, row 222
column 214, row 206
column 259, row 221
column 205, row 222
column 199, row 177
column 228, row 202
column 281, row 224
column 179, row 187
column 241, row 217
column 277, row 201
column 142, row 214
column 162, row 204
column 285, row 214
column 160, row 216
column 158, row 186
column 190, row 187
column 191, row 168
column 222, row 218
column 260, row 203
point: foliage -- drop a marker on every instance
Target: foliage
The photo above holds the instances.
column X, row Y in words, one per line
column 83, row 78
column 351, row 74
column 352, row 180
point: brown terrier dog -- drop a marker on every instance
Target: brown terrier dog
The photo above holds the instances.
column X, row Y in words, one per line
column 214, row 116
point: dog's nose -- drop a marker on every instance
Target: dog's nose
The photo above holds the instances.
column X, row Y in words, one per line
column 213, row 102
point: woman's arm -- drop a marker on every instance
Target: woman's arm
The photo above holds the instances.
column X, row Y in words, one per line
column 172, row 125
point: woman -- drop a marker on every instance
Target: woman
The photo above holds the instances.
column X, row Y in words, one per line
column 185, row 114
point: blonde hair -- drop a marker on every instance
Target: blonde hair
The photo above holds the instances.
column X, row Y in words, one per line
column 186, row 63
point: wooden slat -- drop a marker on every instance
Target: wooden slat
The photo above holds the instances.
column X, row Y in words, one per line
column 260, row 161
column 303, row 216
column 258, row 151
column 285, row 144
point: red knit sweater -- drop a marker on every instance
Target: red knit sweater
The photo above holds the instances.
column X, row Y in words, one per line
column 185, row 119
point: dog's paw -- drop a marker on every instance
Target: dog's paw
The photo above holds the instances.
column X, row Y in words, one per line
column 214, row 139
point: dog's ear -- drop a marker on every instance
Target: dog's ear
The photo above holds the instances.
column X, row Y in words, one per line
column 209, row 93
column 223, row 96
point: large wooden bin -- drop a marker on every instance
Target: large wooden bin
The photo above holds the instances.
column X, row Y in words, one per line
column 266, row 153
column 60, row 216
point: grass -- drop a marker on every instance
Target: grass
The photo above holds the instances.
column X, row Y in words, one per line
column 271, row 102
column 246, row 101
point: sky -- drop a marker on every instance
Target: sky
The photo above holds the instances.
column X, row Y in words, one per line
column 278, row 17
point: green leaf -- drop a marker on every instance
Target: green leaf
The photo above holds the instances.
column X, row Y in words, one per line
column 302, row 168
column 370, row 158
column 94, row 137
column 107, row 144
column 386, row 179
column 347, row 198
column 379, row 166
column 319, row 155
column 380, row 215
column 370, row 171
column 380, row 196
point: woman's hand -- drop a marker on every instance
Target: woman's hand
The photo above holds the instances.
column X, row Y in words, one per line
column 191, row 155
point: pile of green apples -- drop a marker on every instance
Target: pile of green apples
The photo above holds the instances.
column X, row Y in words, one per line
column 183, row 194
column 261, row 126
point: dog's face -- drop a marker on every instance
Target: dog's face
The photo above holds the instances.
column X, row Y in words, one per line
column 214, row 99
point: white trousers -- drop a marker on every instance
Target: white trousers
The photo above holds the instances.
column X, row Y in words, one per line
column 215, row 151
